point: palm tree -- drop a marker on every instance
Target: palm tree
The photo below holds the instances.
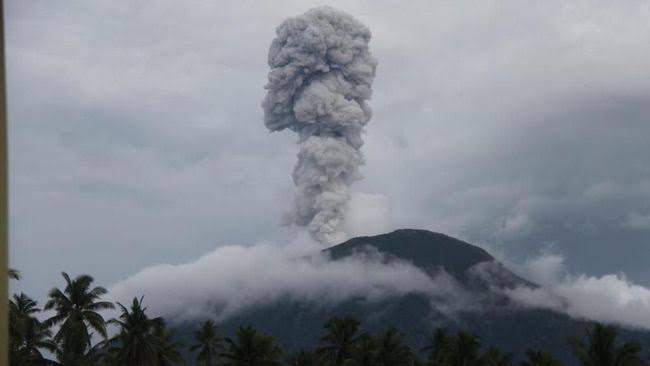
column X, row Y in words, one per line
column 141, row 341
column 207, row 343
column 365, row 351
column 463, row 350
column 494, row 357
column 391, row 350
column 27, row 335
column 251, row 349
column 134, row 344
column 539, row 358
column 339, row 340
column 21, row 309
column 76, row 310
column 303, row 358
column 437, row 347
column 168, row 350
column 599, row 348
column 92, row 356
column 14, row 274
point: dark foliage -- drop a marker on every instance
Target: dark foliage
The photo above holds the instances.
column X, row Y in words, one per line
column 77, row 335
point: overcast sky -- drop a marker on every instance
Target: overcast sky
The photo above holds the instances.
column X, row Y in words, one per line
column 136, row 132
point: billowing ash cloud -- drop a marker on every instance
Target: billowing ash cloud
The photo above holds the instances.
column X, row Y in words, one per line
column 320, row 79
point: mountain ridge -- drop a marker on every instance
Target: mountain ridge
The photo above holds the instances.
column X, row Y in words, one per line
column 432, row 252
column 498, row 322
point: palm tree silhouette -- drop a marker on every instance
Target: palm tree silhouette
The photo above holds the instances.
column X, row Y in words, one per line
column 391, row 349
column 27, row 335
column 207, row 343
column 463, row 350
column 539, row 358
column 600, row 348
column 251, row 348
column 141, row 340
column 167, row 349
column 437, row 347
column 339, row 340
column 14, row 274
column 365, row 351
column 76, row 310
column 303, row 358
column 495, row 357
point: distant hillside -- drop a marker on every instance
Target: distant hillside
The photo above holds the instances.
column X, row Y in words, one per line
column 500, row 324
column 429, row 251
column 423, row 248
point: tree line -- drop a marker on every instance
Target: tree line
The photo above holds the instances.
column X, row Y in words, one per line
column 76, row 335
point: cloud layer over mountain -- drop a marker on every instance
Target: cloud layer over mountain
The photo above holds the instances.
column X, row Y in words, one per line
column 136, row 132
column 610, row 298
column 234, row 278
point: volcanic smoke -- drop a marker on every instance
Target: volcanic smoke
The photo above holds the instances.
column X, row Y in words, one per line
column 320, row 79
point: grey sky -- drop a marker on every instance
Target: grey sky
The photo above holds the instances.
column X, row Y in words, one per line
column 136, row 132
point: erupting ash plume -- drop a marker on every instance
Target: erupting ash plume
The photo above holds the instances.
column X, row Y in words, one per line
column 320, row 79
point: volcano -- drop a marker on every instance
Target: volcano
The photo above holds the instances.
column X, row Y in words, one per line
column 490, row 314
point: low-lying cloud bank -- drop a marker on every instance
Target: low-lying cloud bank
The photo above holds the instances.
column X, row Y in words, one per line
column 235, row 278
column 610, row 298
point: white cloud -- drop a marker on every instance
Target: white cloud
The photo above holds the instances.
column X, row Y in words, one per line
column 610, row 298
column 235, row 278
column 545, row 269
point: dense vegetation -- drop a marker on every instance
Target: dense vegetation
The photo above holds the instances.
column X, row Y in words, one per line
column 77, row 334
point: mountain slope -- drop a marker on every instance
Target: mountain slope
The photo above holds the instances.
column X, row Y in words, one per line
column 492, row 316
column 425, row 249
column 431, row 252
